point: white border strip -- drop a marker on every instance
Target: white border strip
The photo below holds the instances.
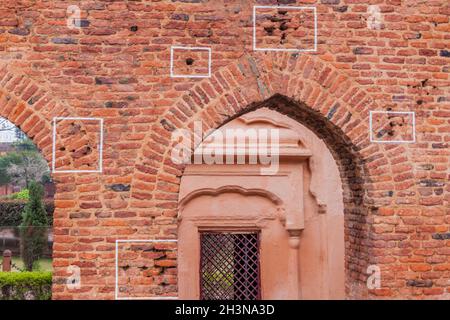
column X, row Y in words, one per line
column 393, row 112
column 255, row 48
column 173, row 75
column 100, row 169
column 117, row 270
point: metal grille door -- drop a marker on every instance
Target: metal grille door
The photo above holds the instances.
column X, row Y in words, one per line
column 229, row 266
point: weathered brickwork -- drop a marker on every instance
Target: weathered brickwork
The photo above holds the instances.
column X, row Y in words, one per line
column 116, row 66
column 146, row 269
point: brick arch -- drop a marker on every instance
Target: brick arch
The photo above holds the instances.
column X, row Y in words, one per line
column 23, row 103
column 302, row 87
column 31, row 107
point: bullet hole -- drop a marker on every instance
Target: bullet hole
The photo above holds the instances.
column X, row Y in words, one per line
column 282, row 12
column 134, row 28
column 424, row 82
column 283, row 26
column 62, row 149
column 283, row 38
column 389, row 128
column 74, row 128
column 87, row 150
column 419, row 102
column 269, row 30
column 382, row 132
column 189, row 61
column 126, row 267
column 273, row 19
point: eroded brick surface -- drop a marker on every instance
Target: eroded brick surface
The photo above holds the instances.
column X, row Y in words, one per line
column 147, row 270
column 78, row 146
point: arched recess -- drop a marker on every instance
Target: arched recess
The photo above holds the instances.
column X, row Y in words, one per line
column 303, row 87
column 294, row 202
column 31, row 107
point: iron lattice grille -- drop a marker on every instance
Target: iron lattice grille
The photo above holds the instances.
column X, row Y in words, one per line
column 229, row 266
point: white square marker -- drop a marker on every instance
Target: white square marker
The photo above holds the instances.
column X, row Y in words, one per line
column 398, row 113
column 100, row 145
column 117, row 269
column 256, row 48
column 175, row 75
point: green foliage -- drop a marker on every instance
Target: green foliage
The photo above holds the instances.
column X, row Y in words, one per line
column 5, row 162
column 23, row 165
column 32, row 228
column 11, row 212
column 44, row 264
column 23, row 194
column 34, row 213
column 25, row 285
column 46, row 178
column 25, row 145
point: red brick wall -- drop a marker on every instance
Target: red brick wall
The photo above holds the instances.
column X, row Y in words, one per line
column 117, row 67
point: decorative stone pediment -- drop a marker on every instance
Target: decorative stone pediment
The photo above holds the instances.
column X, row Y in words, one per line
column 256, row 133
column 238, row 192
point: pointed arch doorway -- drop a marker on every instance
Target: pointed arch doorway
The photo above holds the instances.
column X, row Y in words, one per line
column 261, row 226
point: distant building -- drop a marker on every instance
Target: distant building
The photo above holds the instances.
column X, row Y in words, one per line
column 8, row 135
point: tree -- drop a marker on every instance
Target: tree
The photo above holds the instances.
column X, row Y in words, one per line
column 20, row 135
column 33, row 228
column 5, row 162
column 23, row 165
